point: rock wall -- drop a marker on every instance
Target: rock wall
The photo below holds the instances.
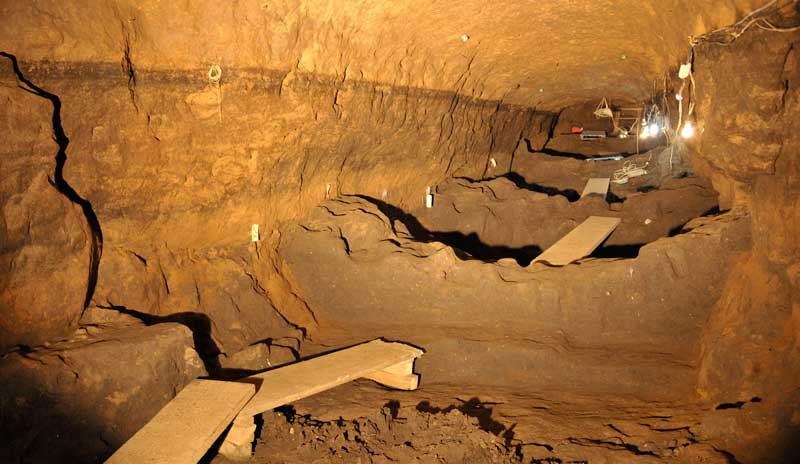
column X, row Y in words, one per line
column 78, row 401
column 177, row 159
column 748, row 101
column 627, row 326
column 177, row 189
column 544, row 55
column 46, row 253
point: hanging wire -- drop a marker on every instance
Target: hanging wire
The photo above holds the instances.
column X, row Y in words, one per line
column 758, row 17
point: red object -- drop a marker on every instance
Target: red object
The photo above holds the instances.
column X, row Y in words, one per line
column 577, row 130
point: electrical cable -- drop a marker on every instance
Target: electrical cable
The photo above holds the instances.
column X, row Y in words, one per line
column 757, row 17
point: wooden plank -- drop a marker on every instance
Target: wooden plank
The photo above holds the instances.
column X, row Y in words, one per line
column 184, row 429
column 596, row 186
column 295, row 381
column 396, row 381
column 580, row 242
column 238, row 444
column 400, row 376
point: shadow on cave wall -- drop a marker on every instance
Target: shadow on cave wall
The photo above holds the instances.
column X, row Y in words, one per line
column 198, row 323
column 465, row 246
column 200, row 326
column 51, row 429
column 469, row 246
column 570, row 194
column 473, row 408
column 58, row 181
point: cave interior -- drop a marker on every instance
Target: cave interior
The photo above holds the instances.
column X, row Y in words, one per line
column 218, row 189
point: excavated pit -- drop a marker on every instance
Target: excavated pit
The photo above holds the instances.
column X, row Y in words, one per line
column 220, row 189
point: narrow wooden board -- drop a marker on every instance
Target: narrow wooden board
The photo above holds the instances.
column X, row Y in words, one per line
column 400, row 376
column 580, row 242
column 596, row 186
column 295, row 381
column 184, row 429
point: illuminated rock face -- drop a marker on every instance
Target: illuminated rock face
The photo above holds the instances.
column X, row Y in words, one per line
column 46, row 241
column 171, row 161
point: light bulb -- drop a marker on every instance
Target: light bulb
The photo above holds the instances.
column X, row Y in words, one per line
column 654, row 129
column 645, row 133
column 688, row 130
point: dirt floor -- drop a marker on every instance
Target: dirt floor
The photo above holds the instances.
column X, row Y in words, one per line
column 447, row 436
column 363, row 422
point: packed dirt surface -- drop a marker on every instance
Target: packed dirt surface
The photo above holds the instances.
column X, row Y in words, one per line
column 450, row 424
column 386, row 436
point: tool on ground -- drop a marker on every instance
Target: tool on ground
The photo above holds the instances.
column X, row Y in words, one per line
column 592, row 134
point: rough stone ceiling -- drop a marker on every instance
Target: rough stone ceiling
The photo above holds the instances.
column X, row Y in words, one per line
column 543, row 54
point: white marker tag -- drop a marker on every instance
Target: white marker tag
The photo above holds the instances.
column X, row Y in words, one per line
column 685, row 70
column 254, row 232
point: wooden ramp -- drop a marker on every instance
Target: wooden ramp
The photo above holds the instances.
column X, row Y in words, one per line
column 390, row 364
column 387, row 363
column 184, row 429
column 580, row 242
column 596, row 186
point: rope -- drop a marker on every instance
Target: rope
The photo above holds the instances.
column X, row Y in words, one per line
column 603, row 110
column 620, row 176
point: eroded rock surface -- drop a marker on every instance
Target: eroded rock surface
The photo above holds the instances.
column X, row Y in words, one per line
column 504, row 218
column 543, row 327
column 79, row 400
column 45, row 241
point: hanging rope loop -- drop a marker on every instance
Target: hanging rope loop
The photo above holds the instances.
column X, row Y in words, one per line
column 215, row 74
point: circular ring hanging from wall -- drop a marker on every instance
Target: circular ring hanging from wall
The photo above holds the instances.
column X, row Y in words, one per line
column 215, row 73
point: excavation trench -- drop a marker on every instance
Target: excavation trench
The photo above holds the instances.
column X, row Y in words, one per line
column 471, row 218
column 355, row 258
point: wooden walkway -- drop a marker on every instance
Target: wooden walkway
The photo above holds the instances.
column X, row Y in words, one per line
column 580, row 242
column 596, row 186
column 187, row 426
column 390, row 364
column 183, row 431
